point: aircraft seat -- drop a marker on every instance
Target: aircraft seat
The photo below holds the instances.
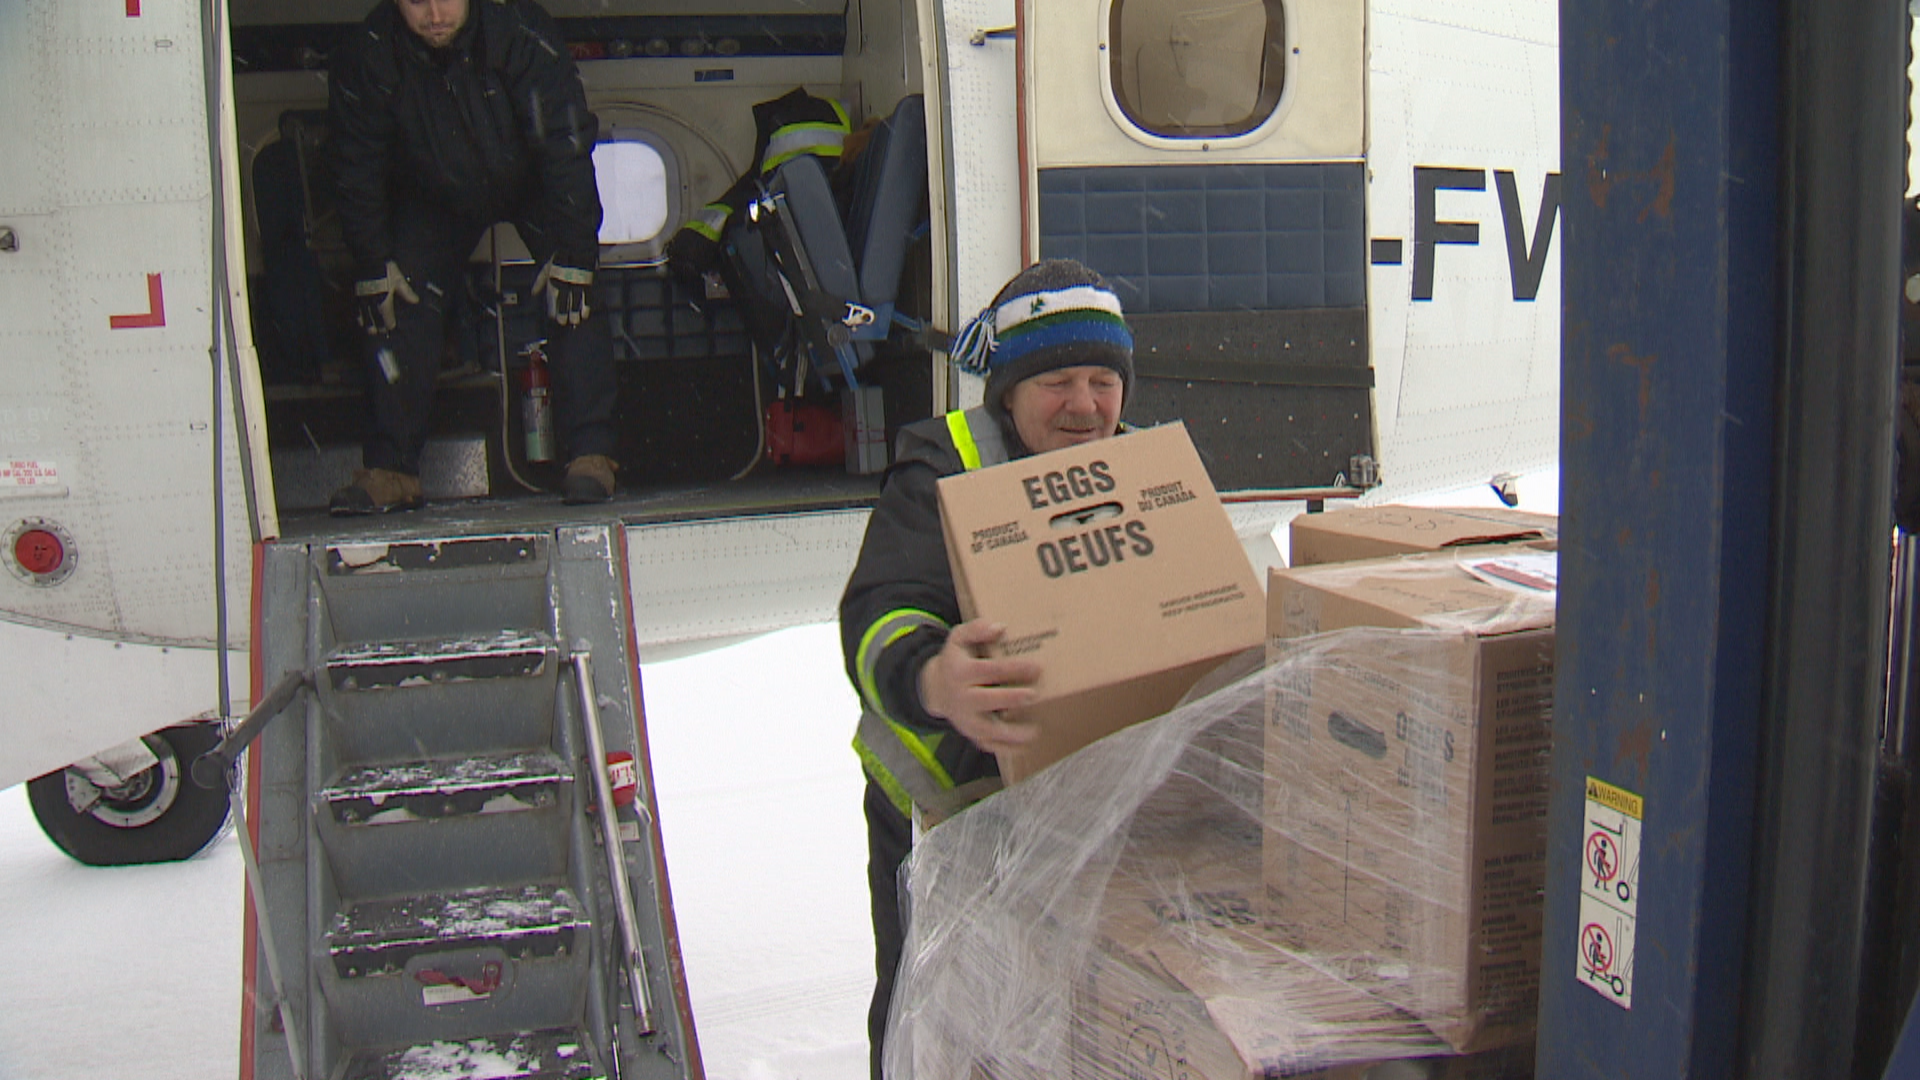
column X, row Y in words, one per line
column 306, row 131
column 838, row 276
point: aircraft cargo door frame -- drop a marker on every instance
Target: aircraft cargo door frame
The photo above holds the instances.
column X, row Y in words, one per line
column 1211, row 165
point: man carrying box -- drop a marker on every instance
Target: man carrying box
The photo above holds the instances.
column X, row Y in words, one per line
column 1058, row 358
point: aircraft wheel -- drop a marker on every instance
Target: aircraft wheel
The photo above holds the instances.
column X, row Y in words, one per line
column 159, row 815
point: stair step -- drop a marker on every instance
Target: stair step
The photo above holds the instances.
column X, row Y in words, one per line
column 385, row 665
column 557, row 1054
column 304, row 477
column 528, row 922
column 436, row 587
column 436, row 789
column 488, row 553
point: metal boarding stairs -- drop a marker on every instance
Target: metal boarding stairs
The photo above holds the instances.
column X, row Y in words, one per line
column 433, row 895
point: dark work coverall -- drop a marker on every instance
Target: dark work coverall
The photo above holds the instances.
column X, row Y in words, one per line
column 431, row 147
column 894, row 616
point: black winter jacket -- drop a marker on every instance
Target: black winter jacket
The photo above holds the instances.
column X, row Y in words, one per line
column 493, row 124
column 903, row 568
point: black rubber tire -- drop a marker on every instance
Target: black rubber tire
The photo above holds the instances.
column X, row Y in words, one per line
column 189, row 826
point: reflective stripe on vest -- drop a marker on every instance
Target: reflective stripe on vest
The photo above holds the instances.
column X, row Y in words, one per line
column 977, row 437
column 823, row 138
column 887, row 752
column 963, row 440
column 711, row 220
column 886, row 630
column 906, row 765
column 900, row 759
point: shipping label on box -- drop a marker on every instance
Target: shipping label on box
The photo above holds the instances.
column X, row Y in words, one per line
column 1372, row 532
column 1114, row 566
column 1407, row 778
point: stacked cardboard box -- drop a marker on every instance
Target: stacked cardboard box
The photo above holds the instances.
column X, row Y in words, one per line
column 1379, row 900
column 1407, row 789
column 1191, row 977
column 1372, row 532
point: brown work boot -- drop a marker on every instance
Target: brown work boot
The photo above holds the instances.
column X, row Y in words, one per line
column 589, row 480
column 376, row 491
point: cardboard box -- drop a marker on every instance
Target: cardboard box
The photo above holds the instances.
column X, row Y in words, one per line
column 1200, row 986
column 1115, row 567
column 1406, row 789
column 1372, row 532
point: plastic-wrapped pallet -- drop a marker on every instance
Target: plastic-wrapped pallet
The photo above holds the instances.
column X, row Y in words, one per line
column 1118, row 914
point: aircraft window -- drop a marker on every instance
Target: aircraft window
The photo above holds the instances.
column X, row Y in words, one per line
column 633, row 191
column 1186, row 70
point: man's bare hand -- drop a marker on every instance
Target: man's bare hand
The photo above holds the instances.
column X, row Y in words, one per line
column 971, row 690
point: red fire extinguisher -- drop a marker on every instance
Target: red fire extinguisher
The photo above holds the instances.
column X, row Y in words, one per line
column 536, row 403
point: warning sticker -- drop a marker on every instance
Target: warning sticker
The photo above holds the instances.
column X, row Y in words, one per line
column 1609, row 890
column 449, row 994
column 28, row 477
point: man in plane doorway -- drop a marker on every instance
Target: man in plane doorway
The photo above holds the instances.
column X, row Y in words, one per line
column 446, row 117
column 1058, row 358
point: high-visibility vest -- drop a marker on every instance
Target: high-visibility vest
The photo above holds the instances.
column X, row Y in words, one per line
column 787, row 127
column 817, row 126
column 902, row 759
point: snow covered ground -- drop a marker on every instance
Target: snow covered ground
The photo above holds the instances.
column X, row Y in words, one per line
column 135, row 972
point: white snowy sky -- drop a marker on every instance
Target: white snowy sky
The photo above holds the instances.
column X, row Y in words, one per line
column 135, row 972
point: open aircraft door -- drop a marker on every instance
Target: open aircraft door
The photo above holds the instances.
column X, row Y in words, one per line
column 1208, row 160
column 116, row 539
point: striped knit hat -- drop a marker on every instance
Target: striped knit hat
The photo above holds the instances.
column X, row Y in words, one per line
column 1054, row 314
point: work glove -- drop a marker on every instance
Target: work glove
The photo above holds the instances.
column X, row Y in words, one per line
column 691, row 256
column 566, row 288
column 375, row 298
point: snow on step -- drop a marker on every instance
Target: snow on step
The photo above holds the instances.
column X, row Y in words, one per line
column 376, row 937
column 390, row 664
column 449, row 553
column 417, row 790
column 539, row 1055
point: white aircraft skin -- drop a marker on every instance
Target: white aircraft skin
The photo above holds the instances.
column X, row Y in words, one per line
column 125, row 356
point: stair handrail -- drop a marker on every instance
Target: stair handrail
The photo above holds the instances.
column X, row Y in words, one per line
column 582, row 659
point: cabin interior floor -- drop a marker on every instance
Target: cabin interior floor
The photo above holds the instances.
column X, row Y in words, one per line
column 785, row 489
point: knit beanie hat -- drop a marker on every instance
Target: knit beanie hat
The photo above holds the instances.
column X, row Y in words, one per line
column 1054, row 314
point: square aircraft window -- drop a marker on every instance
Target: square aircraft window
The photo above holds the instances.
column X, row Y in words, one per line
column 633, row 190
column 1197, row 71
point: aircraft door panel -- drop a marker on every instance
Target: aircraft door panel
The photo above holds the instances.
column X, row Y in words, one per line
column 105, row 302
column 1214, row 237
column 107, row 455
column 1207, row 161
column 1235, row 80
column 1245, row 287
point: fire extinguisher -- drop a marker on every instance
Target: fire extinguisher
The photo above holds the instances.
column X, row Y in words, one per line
column 536, row 403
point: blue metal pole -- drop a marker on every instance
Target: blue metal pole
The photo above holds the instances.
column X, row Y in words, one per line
column 1730, row 278
column 1669, row 148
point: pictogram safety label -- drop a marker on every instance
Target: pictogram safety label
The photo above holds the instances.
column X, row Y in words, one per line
column 1609, row 890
